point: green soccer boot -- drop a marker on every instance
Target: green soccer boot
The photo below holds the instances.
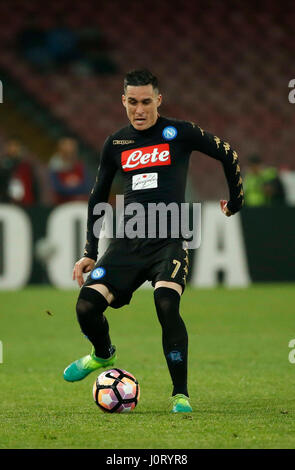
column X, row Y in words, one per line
column 79, row 369
column 180, row 404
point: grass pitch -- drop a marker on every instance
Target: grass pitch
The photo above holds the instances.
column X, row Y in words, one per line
column 240, row 380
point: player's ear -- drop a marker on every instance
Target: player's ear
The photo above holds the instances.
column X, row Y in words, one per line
column 159, row 100
column 124, row 100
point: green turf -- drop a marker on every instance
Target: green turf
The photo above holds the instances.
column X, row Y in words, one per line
column 240, row 380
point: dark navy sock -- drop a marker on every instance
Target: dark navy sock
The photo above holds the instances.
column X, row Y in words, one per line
column 90, row 307
column 174, row 337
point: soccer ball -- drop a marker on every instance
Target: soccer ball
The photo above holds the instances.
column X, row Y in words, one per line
column 116, row 391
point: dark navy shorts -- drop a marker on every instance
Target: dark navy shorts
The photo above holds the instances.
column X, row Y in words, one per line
column 128, row 263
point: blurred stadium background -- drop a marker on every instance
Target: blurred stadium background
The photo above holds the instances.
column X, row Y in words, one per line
column 224, row 65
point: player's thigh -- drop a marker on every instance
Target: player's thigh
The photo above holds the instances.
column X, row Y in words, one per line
column 103, row 290
column 170, row 266
column 170, row 285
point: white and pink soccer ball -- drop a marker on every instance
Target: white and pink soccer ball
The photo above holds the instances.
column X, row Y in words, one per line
column 116, row 391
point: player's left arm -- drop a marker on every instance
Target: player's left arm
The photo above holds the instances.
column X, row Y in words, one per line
column 214, row 147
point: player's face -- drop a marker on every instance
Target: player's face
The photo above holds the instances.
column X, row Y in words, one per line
column 141, row 103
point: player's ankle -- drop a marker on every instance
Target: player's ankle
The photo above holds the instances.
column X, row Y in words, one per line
column 104, row 354
column 180, row 391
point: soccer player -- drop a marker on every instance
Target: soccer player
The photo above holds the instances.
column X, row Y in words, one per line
column 152, row 153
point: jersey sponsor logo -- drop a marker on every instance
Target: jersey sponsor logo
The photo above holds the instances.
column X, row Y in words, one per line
column 145, row 157
column 144, row 181
column 98, row 273
column 123, row 142
column 169, row 133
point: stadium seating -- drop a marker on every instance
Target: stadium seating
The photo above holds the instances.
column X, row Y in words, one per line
column 220, row 65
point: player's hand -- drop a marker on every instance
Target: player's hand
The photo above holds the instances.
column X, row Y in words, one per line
column 224, row 208
column 84, row 265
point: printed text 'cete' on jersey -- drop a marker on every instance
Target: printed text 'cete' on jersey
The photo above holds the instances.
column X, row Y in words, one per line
column 144, row 157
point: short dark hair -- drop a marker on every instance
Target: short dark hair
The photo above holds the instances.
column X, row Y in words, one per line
column 140, row 77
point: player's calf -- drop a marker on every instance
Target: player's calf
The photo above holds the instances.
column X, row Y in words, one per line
column 90, row 307
column 174, row 337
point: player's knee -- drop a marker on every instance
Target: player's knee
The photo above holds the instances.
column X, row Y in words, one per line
column 167, row 303
column 167, row 306
column 83, row 309
column 165, row 297
column 90, row 302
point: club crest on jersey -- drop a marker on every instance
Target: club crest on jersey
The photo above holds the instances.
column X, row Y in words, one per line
column 169, row 133
column 145, row 157
column 98, row 273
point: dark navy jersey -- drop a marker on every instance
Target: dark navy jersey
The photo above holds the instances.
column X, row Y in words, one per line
column 154, row 164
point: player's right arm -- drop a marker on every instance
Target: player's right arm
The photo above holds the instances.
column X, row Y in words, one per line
column 99, row 193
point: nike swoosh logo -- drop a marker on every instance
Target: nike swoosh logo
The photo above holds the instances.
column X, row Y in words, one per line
column 110, row 376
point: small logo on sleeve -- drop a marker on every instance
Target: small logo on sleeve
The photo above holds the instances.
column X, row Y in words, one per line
column 98, row 273
column 169, row 133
